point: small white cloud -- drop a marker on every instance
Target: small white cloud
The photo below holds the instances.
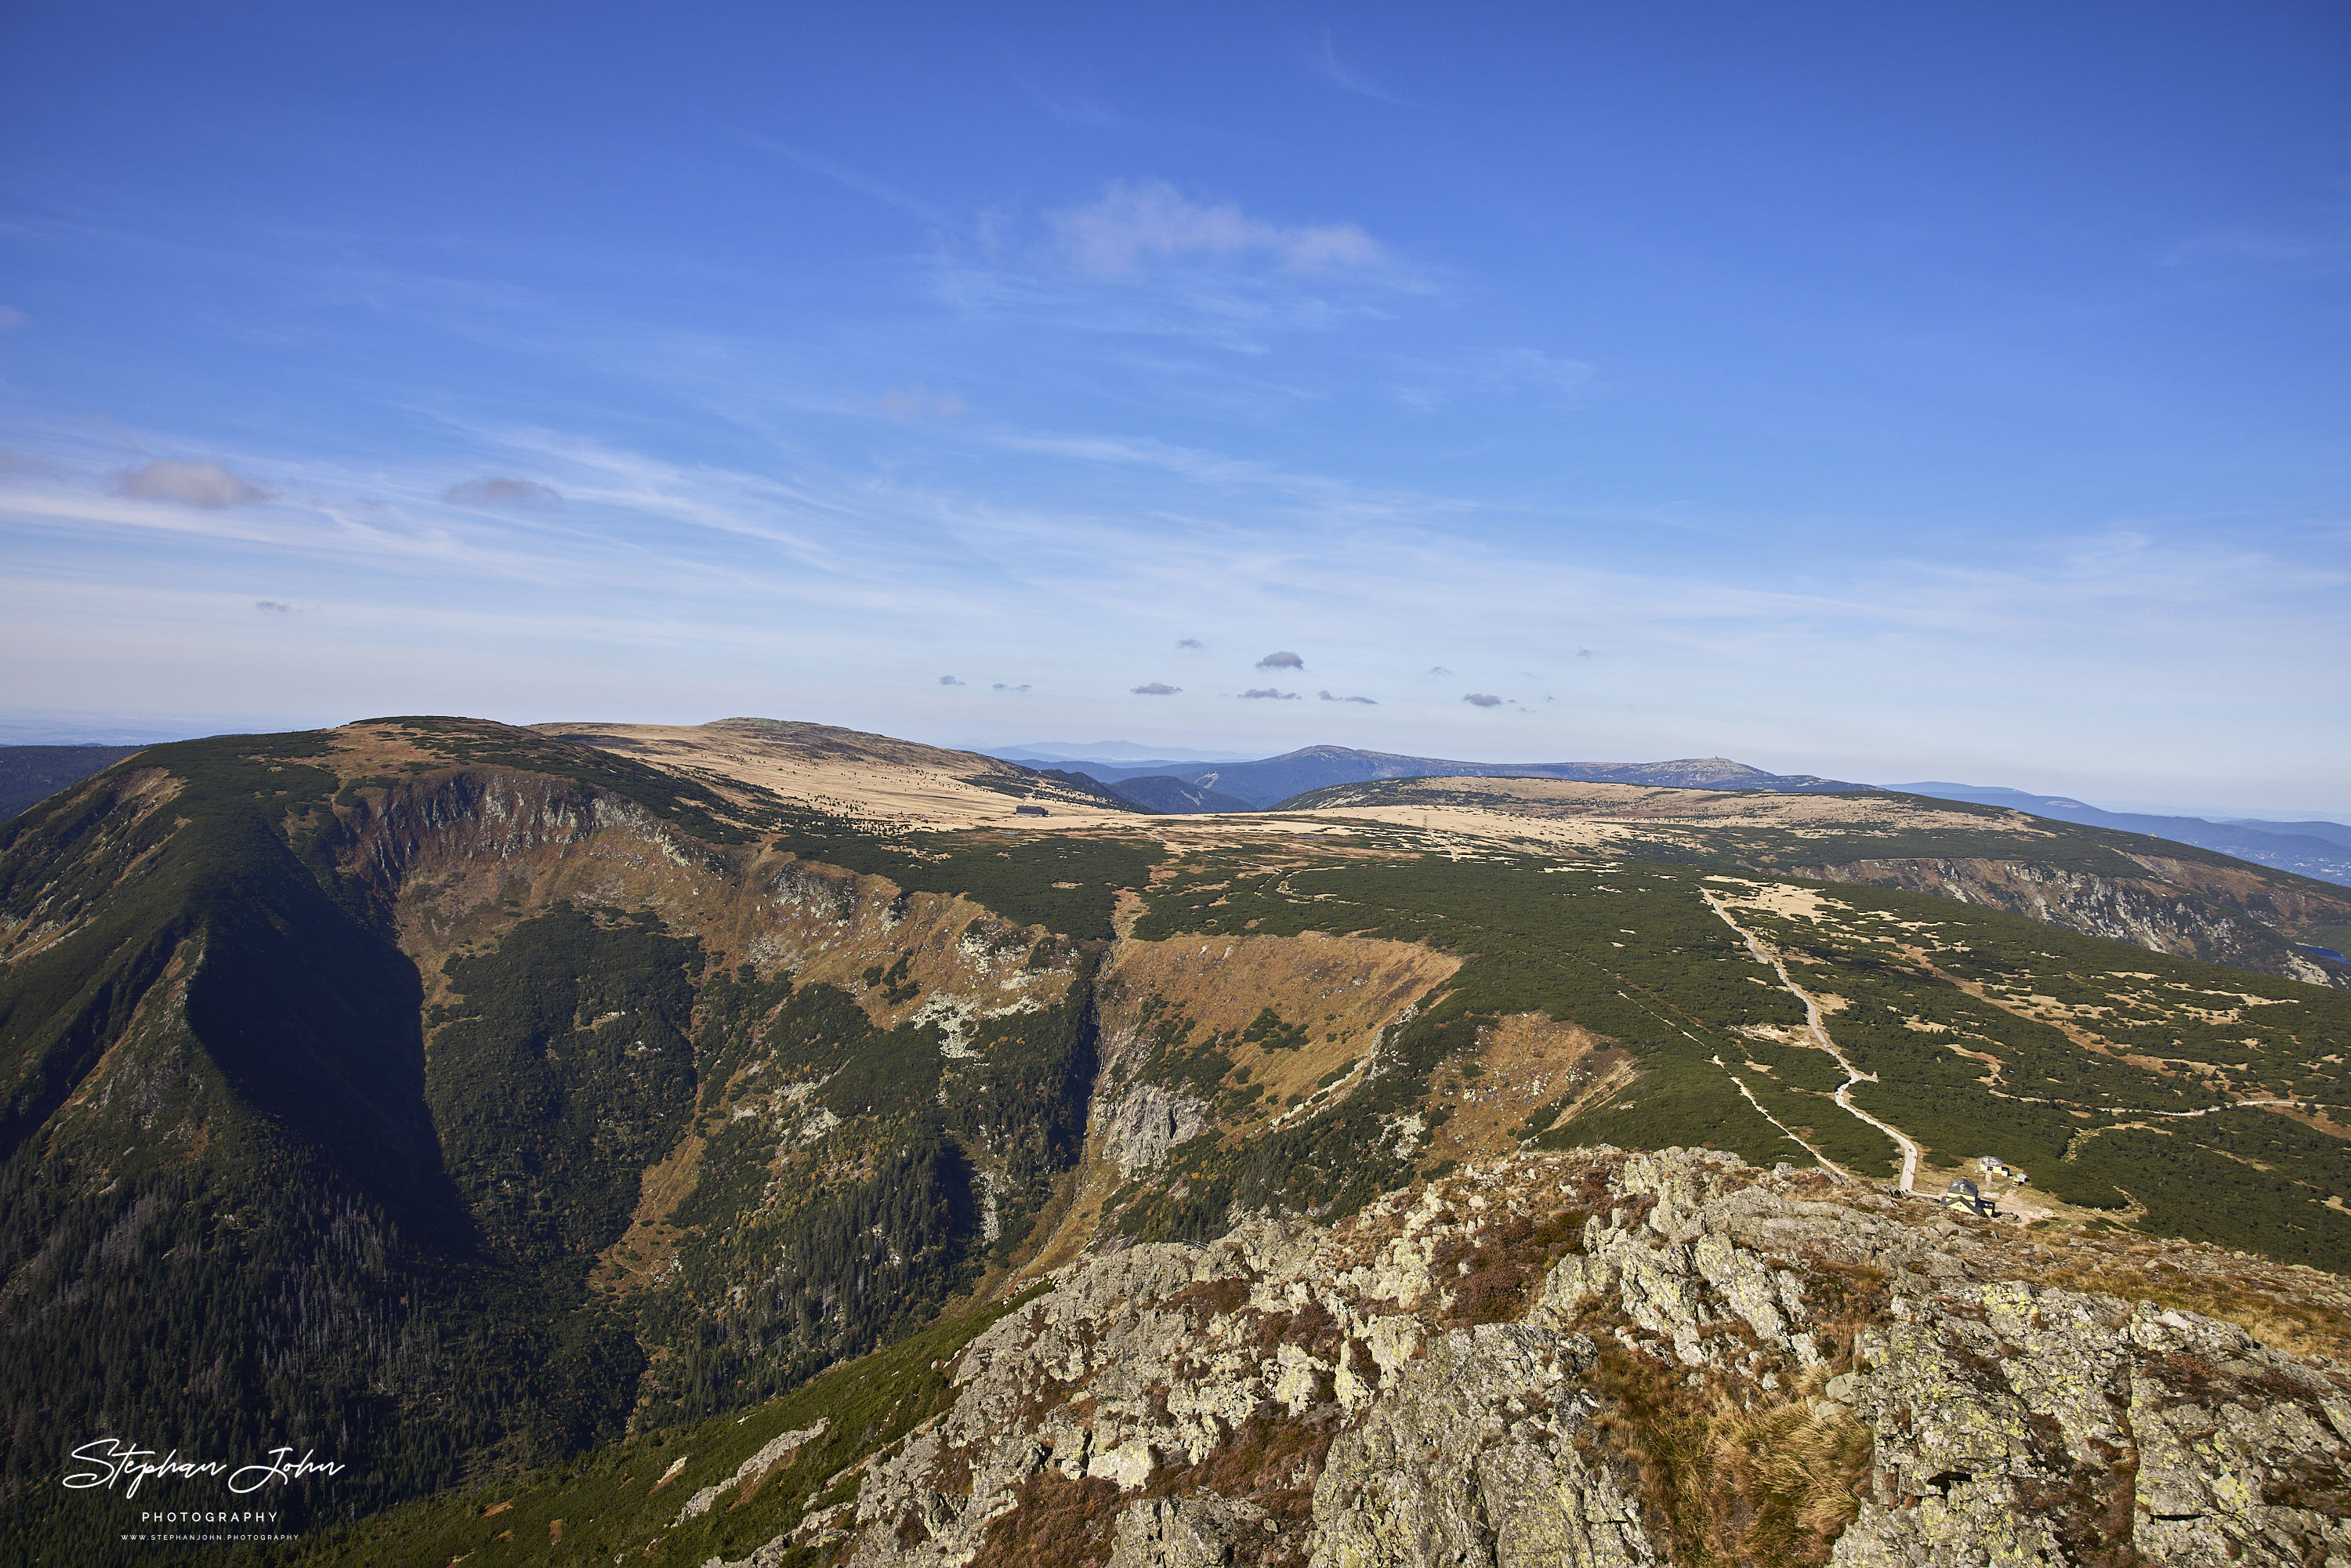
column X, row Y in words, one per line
column 1282, row 661
column 1438, row 670
column 1154, row 689
column 1001, row 686
column 949, row 681
column 19, row 463
column 1267, row 692
column 493, row 491
column 914, row 403
column 1483, row 699
column 190, row 484
column 1367, row 702
column 1189, row 642
column 1584, row 653
column 273, row 607
column 1152, row 221
column 11, row 317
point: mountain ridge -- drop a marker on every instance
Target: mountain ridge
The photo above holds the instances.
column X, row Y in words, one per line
column 1264, row 782
column 2316, row 855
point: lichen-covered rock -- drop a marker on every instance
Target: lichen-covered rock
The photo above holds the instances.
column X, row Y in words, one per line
column 2022, row 1426
column 1613, row 1360
column 1197, row 1531
column 1472, row 1459
column 1139, row 1127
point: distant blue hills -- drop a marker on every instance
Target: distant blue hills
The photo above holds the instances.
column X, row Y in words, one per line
column 1269, row 781
column 1194, row 782
column 2320, row 850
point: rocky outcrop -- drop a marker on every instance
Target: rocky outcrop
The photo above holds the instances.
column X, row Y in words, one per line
column 1472, row 1458
column 1139, row 1127
column 1609, row 1359
column 2022, row 1426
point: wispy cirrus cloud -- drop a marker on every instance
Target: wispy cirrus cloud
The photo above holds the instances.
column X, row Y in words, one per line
column 1324, row 61
column 852, row 179
column 1521, row 375
column 1072, row 109
column 1135, row 223
column 701, row 556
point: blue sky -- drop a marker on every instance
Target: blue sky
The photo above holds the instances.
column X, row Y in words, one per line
column 1889, row 392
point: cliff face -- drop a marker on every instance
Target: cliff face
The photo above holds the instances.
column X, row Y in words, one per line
column 1614, row 1359
column 2174, row 910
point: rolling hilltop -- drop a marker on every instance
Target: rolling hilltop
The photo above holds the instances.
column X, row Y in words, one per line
column 1263, row 783
column 742, row 1139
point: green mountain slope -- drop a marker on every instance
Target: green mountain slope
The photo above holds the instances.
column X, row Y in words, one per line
column 2198, row 1100
column 335, row 1065
column 2170, row 896
column 460, row 1101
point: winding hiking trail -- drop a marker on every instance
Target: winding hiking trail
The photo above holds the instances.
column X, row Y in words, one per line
column 1812, row 1021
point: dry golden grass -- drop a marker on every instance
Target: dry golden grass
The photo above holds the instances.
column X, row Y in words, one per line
column 867, row 778
column 2287, row 1309
column 1523, row 1062
column 639, row 1255
column 1342, row 990
column 1770, row 1486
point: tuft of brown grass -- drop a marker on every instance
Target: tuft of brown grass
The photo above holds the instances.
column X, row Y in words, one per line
column 1772, row 1486
column 1507, row 1262
column 2300, row 1327
column 1055, row 1522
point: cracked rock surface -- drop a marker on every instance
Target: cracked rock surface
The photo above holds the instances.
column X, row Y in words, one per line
column 1611, row 1359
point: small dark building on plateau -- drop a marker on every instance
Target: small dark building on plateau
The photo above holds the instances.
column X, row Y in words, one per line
column 1030, row 811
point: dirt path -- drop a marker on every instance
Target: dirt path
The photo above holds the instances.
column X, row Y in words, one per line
column 1820, row 1033
column 1741, row 1084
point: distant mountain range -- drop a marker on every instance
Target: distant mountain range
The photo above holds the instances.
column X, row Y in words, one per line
column 1192, row 781
column 2333, row 833
column 2321, row 850
column 1116, row 751
column 2316, row 848
column 1276, row 778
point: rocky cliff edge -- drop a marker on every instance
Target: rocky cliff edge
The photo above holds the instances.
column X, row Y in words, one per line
column 1603, row 1358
